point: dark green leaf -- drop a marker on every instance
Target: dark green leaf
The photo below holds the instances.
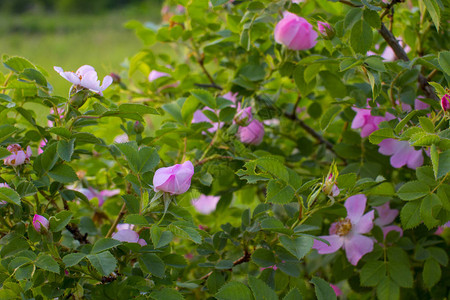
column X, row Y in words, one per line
column 234, row 290
column 104, row 244
column 46, row 262
column 261, row 290
column 104, row 262
column 151, row 263
column 323, row 289
column 63, row 173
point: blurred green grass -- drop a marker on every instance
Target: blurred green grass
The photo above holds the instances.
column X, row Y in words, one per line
column 70, row 41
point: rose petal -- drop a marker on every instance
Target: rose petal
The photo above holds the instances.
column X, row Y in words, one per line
column 335, row 241
column 355, row 206
column 356, row 247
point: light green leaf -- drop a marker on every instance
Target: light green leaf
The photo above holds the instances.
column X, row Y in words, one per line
column 63, row 173
column 9, row 195
column 47, row 262
column 234, row 290
column 413, row 190
column 444, row 61
column 410, row 214
column 434, row 11
column 65, row 149
column 299, row 246
column 388, row 290
column 361, row 37
column 60, row 220
column 329, row 116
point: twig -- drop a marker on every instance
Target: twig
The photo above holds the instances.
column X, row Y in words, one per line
column 202, row 85
column 350, row 3
column 401, row 54
column 296, row 104
column 201, row 62
column 73, row 229
column 315, row 135
column 117, row 220
column 388, row 8
column 241, row 260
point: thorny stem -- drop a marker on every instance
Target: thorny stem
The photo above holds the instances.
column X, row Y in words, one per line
column 241, row 260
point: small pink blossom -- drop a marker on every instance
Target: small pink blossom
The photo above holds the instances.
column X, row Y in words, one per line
column 336, row 290
column 18, row 156
column 252, row 134
column 123, row 138
column 175, row 179
column 347, row 233
column 86, row 77
column 123, row 226
column 40, row 222
column 367, row 122
column 445, row 102
column 129, row 236
column 401, row 153
column 326, row 31
column 156, row 74
column 199, row 117
column 295, row 33
column 205, row 204
column 386, row 216
column 42, row 144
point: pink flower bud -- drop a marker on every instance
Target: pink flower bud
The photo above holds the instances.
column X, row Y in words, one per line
column 18, row 156
column 445, row 102
column 330, row 188
column 175, row 179
column 252, row 134
column 40, row 222
column 295, row 33
column 243, row 116
column 326, row 31
column 336, row 290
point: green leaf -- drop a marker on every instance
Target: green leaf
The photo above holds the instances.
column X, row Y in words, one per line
column 225, row 264
column 4, row 153
column 26, row 189
column 372, row 18
column 151, row 263
column 434, row 154
column 434, row 11
column 185, row 230
column 160, row 237
column 141, row 109
column 61, row 131
column 234, row 290
column 400, row 273
column 372, row 273
column 6, row 131
column 274, row 167
column 103, row 262
column 361, row 37
column 431, row 205
column 329, row 116
column 444, row 164
column 413, row 190
column 405, row 120
column 60, row 220
column 263, row 258
column 65, row 149
column 279, row 193
column 48, row 158
column 132, row 203
column 16, row 63
column 410, row 214
column 218, row 2
column 293, row 294
column 73, row 258
column 174, row 110
column 47, row 262
column 63, row 173
column 148, row 159
column 166, row 294
column 431, row 273
column 260, row 289
column 9, row 195
column 33, row 75
column 205, row 98
column 323, row 289
column 444, row 61
column 425, row 175
column 388, row 290
column 439, row 255
column 378, row 136
column 136, row 220
column 333, row 84
column 104, row 244
column 426, row 124
column 131, row 154
column 299, row 246
column 215, row 281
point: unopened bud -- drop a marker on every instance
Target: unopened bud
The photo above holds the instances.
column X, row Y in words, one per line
column 330, row 188
column 445, row 102
column 115, row 77
column 40, row 223
column 326, row 30
column 243, row 117
column 79, row 98
column 138, row 127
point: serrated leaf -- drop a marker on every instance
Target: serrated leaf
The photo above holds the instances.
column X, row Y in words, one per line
column 104, row 244
column 274, row 167
column 431, row 273
column 166, row 294
column 372, row 273
column 185, row 230
column 65, row 149
column 434, row 155
column 380, row 135
column 260, row 289
column 103, row 262
column 47, row 262
column 361, row 37
column 329, row 116
column 299, row 246
column 234, row 290
column 413, row 190
column 293, row 294
column 400, row 273
column 60, row 220
column 431, row 205
column 9, row 195
column 388, row 290
column 141, row 109
column 410, row 214
column 263, row 258
column 405, row 120
column 205, row 97
column 434, row 11
column 444, row 61
column 73, row 258
column 63, row 173
column 279, row 193
column 151, row 263
column 323, row 289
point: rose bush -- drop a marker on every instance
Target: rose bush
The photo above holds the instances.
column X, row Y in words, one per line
column 241, row 155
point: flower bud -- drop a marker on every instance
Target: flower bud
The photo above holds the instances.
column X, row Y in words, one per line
column 295, row 33
column 40, row 223
column 115, row 77
column 252, row 134
column 330, row 188
column 326, row 30
column 138, row 127
column 79, row 98
column 445, row 102
column 243, row 116
column 175, row 179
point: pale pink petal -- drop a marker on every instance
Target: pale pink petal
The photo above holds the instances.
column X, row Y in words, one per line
column 386, row 215
column 109, row 193
column 415, row 159
column 126, row 235
column 356, row 247
column 335, row 241
column 107, row 81
column 368, row 129
column 142, row 242
column 355, row 206
column 205, row 204
column 365, row 223
column 390, row 228
column 388, row 146
column 85, row 69
column 336, row 290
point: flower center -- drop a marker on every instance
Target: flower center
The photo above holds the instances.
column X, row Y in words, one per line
column 343, row 227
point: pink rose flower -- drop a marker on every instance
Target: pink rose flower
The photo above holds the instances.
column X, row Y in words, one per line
column 86, row 77
column 175, row 179
column 230, row 96
column 445, row 102
column 386, row 216
column 123, row 226
column 40, row 222
column 336, row 290
column 401, row 153
column 205, row 204
column 252, row 134
column 367, row 122
column 129, row 236
column 295, row 33
column 18, row 156
column 199, row 117
column 347, row 233
column 92, row 193
column 42, row 144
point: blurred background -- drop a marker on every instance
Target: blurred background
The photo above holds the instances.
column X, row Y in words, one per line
column 71, row 33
